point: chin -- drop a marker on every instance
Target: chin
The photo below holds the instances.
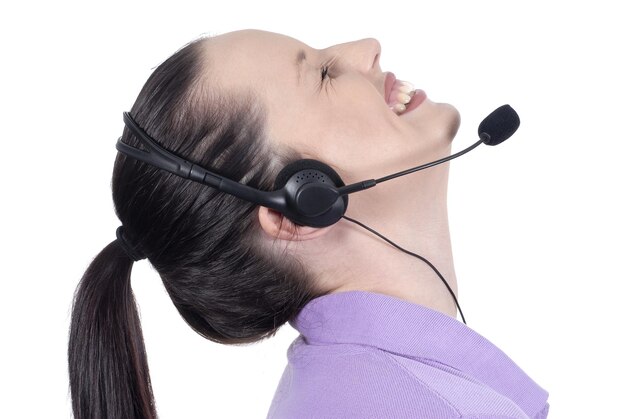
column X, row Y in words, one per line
column 439, row 122
column 453, row 122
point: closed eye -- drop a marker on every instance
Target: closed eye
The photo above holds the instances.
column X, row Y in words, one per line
column 325, row 70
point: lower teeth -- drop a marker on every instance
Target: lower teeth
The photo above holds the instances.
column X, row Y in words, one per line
column 398, row 108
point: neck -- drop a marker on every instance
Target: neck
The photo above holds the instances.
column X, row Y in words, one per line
column 357, row 259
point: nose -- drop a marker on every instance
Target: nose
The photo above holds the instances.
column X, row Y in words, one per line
column 362, row 55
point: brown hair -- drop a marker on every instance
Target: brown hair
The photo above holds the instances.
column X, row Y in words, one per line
column 204, row 244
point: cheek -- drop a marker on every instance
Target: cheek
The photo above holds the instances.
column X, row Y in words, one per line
column 367, row 123
column 358, row 147
column 354, row 129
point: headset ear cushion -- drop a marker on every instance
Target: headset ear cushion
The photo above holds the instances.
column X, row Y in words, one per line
column 306, row 164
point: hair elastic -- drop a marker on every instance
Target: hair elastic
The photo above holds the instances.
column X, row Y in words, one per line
column 130, row 250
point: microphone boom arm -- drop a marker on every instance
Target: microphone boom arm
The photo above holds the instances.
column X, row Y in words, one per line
column 365, row 184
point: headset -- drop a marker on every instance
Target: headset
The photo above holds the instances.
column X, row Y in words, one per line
column 307, row 191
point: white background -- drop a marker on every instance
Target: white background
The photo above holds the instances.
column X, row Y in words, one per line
column 537, row 223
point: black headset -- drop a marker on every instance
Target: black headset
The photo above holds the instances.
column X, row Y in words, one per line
column 308, row 192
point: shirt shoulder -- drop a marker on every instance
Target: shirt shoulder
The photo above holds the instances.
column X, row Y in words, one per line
column 354, row 381
column 345, row 381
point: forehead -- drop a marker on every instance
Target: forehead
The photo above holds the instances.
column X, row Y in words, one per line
column 251, row 44
column 252, row 58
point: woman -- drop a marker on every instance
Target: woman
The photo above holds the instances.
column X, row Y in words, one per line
column 378, row 330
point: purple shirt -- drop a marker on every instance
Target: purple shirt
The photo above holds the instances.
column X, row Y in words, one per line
column 362, row 354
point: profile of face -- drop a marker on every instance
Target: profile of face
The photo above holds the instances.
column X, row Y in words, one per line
column 344, row 119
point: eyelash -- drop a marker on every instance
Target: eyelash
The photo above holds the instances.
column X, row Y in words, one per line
column 325, row 69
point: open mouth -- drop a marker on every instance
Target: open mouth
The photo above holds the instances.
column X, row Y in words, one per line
column 401, row 97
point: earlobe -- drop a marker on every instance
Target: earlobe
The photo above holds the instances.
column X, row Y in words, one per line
column 276, row 225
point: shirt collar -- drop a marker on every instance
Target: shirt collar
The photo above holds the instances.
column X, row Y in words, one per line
column 415, row 331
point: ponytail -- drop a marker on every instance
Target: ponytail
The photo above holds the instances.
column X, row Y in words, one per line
column 207, row 247
column 108, row 367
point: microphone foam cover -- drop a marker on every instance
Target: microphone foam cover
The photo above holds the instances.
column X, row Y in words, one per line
column 499, row 125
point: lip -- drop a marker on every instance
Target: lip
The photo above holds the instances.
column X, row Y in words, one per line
column 390, row 80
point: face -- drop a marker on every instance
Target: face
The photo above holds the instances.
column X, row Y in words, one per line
column 343, row 120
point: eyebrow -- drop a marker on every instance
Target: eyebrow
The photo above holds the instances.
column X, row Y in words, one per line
column 299, row 59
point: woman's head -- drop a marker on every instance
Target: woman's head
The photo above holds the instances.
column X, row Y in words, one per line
column 343, row 120
column 329, row 104
column 232, row 103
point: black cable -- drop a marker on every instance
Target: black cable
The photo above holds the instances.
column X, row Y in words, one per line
column 413, row 254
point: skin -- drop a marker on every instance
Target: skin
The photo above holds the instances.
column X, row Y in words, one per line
column 348, row 125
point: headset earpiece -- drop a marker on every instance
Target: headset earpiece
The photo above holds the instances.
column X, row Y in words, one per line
column 311, row 193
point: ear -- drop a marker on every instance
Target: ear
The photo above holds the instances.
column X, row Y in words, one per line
column 271, row 221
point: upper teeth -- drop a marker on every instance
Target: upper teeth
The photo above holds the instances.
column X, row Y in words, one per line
column 405, row 92
column 403, row 98
column 406, row 87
